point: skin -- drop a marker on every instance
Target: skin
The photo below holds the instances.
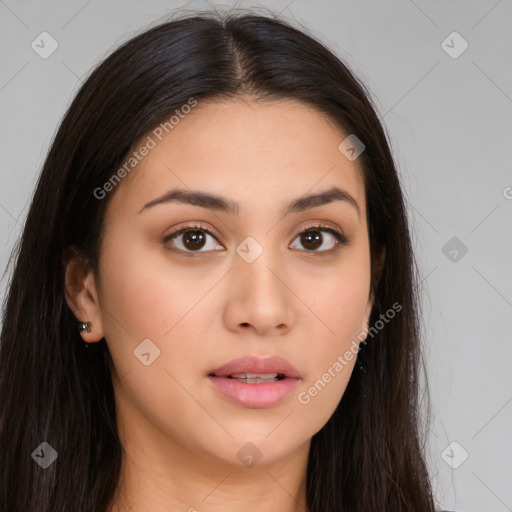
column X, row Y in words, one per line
column 180, row 436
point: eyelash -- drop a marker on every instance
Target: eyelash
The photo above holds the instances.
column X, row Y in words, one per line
column 341, row 240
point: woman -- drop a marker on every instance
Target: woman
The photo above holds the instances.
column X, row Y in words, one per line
column 221, row 217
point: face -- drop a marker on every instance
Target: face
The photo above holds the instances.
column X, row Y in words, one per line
column 259, row 279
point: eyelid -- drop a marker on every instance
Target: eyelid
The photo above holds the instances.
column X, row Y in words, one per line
column 338, row 234
column 323, row 225
column 199, row 226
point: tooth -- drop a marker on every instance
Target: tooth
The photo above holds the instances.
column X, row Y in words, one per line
column 254, row 375
column 256, row 380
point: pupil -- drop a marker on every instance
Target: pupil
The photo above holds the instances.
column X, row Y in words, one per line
column 193, row 239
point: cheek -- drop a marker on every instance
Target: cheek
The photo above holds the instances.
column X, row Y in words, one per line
column 146, row 292
column 336, row 329
column 339, row 299
column 146, row 296
column 332, row 348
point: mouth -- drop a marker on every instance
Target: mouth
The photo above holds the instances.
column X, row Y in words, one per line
column 253, row 367
column 254, row 382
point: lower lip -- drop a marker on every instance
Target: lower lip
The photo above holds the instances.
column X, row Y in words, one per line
column 256, row 396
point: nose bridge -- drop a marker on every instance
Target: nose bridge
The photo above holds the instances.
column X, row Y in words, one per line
column 257, row 265
column 259, row 286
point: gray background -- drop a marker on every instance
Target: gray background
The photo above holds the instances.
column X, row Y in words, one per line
column 450, row 125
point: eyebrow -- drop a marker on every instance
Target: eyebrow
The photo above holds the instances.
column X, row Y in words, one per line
column 222, row 204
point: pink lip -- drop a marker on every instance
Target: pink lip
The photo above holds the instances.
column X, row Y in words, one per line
column 255, row 396
column 253, row 364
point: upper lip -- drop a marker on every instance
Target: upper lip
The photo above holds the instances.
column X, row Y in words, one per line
column 253, row 364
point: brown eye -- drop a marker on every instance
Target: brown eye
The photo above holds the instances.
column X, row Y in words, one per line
column 193, row 239
column 312, row 239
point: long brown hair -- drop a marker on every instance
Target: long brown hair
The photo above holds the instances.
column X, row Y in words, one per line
column 370, row 454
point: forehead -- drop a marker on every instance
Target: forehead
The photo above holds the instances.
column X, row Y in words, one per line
column 252, row 151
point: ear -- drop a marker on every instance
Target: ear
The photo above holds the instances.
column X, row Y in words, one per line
column 81, row 293
column 376, row 274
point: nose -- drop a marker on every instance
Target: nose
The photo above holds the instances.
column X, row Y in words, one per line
column 259, row 298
